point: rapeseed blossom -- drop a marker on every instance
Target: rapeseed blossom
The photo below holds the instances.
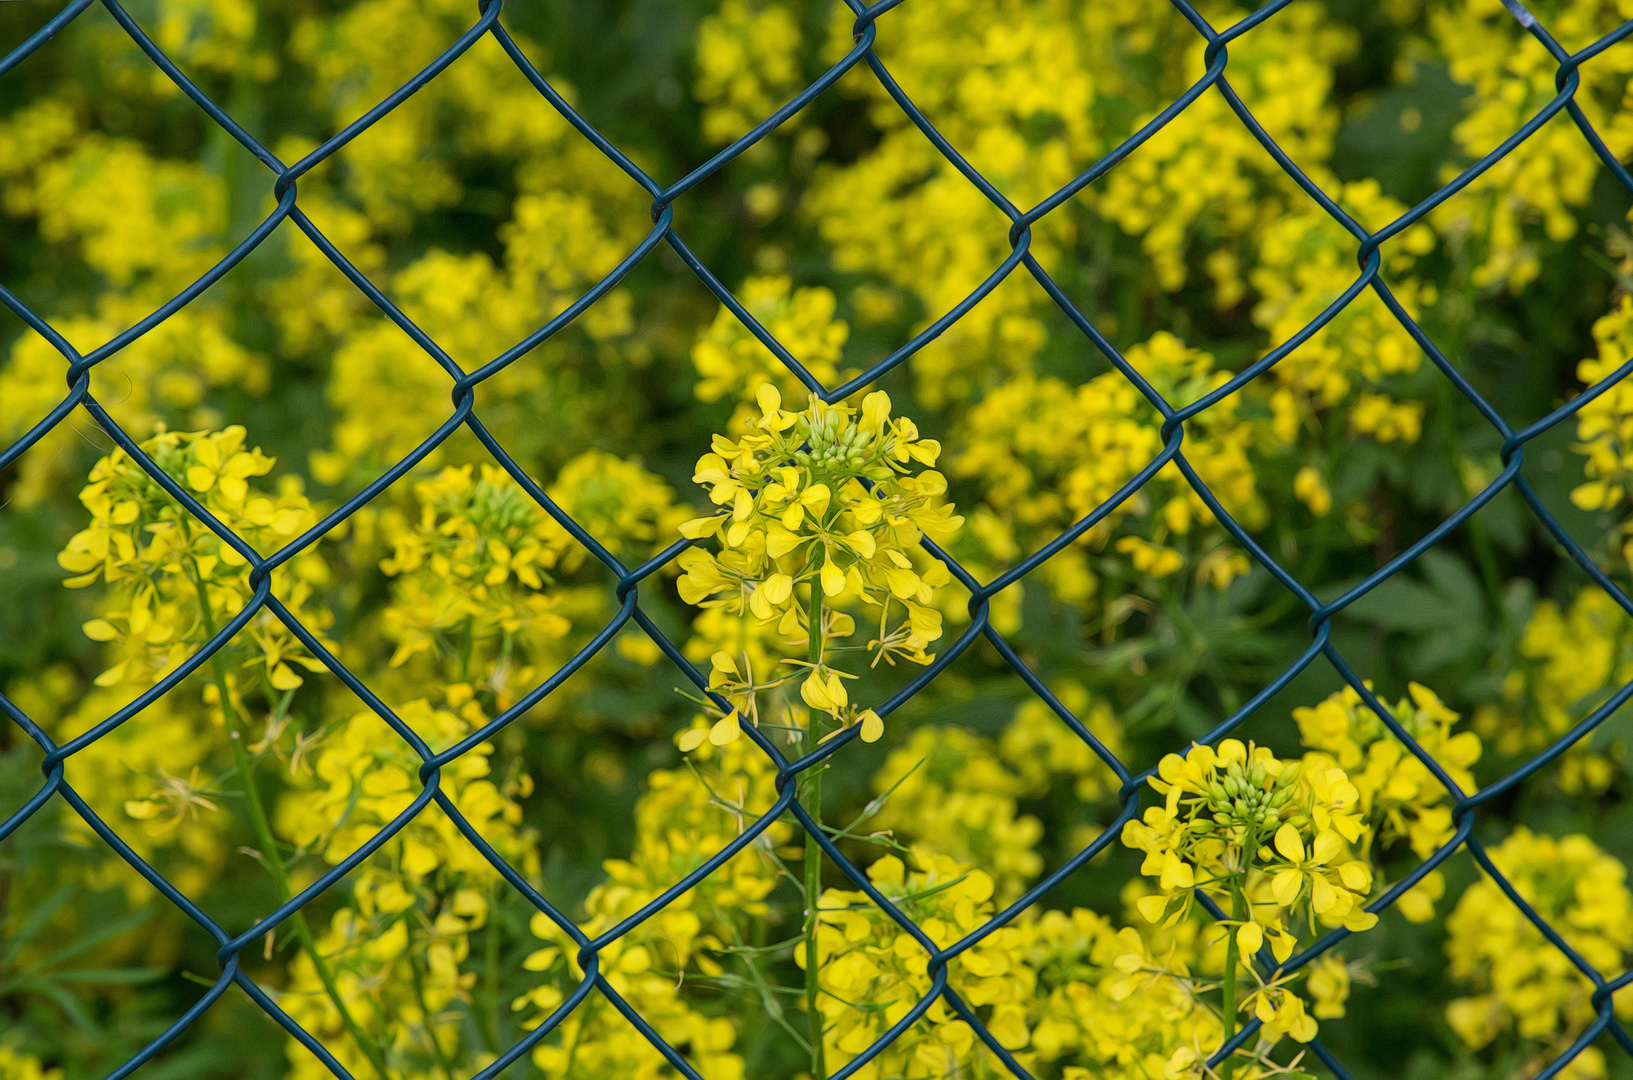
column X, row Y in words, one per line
column 1572, row 658
column 1400, row 796
column 824, row 502
column 1272, row 843
column 1522, row 982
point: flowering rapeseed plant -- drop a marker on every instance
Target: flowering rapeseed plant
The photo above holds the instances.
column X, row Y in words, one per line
column 823, row 503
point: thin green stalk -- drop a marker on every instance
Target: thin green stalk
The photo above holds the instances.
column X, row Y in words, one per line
column 1239, row 912
column 1228, row 988
column 768, row 997
column 811, row 799
column 244, row 766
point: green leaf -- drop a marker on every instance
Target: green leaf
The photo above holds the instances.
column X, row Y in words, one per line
column 39, row 914
column 91, row 938
column 108, row 976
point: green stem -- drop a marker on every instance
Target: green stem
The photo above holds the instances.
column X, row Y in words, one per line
column 811, row 799
column 1239, row 912
column 1228, row 987
column 245, row 765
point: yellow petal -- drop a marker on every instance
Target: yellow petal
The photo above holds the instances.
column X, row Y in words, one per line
column 778, row 588
column 691, row 739
column 872, row 726
column 1356, row 876
column 815, row 498
column 726, row 729
column 1289, row 844
column 1249, row 938
column 836, row 691
column 698, row 528
column 1323, row 897
column 815, row 692
column 833, row 579
column 1152, row 907
column 875, row 411
column 769, row 398
column 200, row 479
column 100, row 630
column 779, row 541
column 1285, row 886
column 283, row 677
column 903, row 583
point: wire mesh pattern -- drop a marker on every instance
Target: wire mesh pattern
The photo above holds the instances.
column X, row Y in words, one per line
column 629, row 580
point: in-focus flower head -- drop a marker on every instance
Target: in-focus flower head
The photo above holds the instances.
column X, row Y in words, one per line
column 824, row 508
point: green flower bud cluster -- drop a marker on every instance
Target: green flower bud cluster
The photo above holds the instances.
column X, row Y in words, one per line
column 834, row 449
column 1248, row 795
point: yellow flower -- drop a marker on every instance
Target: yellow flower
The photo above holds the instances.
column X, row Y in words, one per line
column 1522, row 982
column 825, row 508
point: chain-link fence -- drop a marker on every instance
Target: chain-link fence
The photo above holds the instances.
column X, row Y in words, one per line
column 285, row 178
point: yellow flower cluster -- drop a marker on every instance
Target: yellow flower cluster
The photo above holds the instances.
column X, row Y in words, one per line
column 478, row 109
column 684, row 818
column 1115, row 1005
column 747, row 66
column 1522, row 982
column 947, row 786
column 732, row 363
column 469, row 581
column 169, row 584
column 16, row 1065
column 362, row 776
column 1604, row 427
column 171, row 579
column 1399, row 794
column 1206, row 169
column 632, row 512
column 146, row 227
column 154, row 778
column 389, row 394
column 904, row 216
column 1550, row 175
column 827, row 501
column 1571, row 660
column 1305, row 260
column 865, row 960
column 958, row 792
column 393, row 953
column 574, row 215
column 1038, row 746
column 1061, row 991
column 400, row 978
column 1046, row 455
column 1226, row 809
